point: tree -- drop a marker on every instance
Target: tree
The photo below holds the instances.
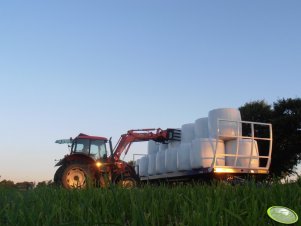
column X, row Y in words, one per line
column 256, row 111
column 285, row 117
column 7, row 184
column 287, row 137
column 44, row 184
column 24, row 185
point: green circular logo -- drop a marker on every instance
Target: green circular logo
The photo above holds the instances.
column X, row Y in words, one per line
column 282, row 214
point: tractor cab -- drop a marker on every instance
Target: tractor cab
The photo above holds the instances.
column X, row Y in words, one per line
column 92, row 146
column 95, row 147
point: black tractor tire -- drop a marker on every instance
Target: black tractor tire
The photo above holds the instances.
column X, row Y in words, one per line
column 77, row 176
column 126, row 181
column 57, row 179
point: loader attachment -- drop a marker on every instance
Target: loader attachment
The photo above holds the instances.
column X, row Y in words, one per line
column 174, row 134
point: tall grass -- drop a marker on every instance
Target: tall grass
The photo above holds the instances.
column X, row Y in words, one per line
column 216, row 204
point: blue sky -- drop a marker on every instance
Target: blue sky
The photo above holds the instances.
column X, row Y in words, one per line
column 104, row 67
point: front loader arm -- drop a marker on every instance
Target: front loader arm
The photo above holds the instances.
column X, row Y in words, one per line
column 139, row 135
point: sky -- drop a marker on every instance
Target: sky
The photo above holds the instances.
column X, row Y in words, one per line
column 104, row 67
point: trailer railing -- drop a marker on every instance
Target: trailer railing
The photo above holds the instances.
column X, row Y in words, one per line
column 258, row 134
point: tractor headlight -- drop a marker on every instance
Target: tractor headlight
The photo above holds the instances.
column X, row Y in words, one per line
column 98, row 164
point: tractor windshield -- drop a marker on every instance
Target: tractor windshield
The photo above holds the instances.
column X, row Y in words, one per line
column 95, row 148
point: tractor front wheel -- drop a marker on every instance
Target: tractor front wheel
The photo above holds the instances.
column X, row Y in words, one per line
column 76, row 176
column 126, row 182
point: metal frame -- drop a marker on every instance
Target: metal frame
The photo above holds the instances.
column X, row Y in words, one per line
column 238, row 137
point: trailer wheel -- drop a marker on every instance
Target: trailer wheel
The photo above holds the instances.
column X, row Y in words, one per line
column 76, row 176
column 126, row 182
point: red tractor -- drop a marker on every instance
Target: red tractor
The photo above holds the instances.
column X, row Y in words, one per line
column 93, row 161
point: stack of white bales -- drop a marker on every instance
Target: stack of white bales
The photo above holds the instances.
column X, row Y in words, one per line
column 207, row 141
column 233, row 145
column 203, row 147
column 245, row 148
column 147, row 164
column 197, row 149
column 230, row 133
column 198, row 145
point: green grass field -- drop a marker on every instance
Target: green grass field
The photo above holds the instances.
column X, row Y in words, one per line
column 216, row 204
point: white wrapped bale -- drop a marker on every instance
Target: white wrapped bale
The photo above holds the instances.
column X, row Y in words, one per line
column 201, row 128
column 202, row 153
column 152, row 147
column 245, row 147
column 160, row 162
column 173, row 144
column 143, row 166
column 183, row 158
column 137, row 166
column 162, row 147
column 171, row 160
column 187, row 133
column 225, row 129
column 152, row 164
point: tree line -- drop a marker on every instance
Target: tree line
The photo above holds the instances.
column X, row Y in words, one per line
column 25, row 185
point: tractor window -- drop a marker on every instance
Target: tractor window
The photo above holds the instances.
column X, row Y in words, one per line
column 82, row 146
column 98, row 149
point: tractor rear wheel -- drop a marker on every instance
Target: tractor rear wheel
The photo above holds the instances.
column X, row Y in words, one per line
column 57, row 179
column 76, row 176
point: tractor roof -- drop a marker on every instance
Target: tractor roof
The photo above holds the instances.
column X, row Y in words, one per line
column 85, row 136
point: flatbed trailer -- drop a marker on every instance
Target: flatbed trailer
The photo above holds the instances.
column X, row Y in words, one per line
column 199, row 173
